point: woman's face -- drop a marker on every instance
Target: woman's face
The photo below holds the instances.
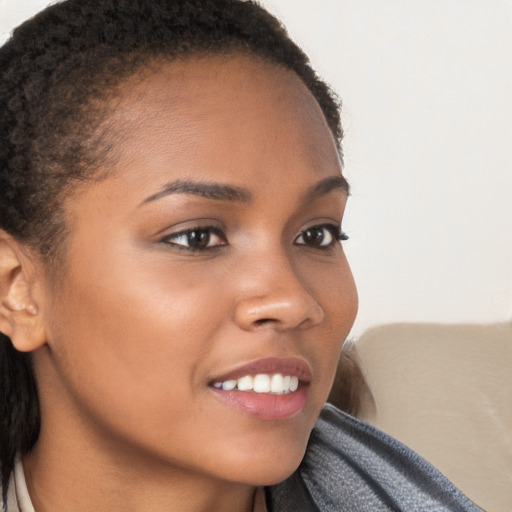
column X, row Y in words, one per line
column 207, row 256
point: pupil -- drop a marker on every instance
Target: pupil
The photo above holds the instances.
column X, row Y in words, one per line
column 199, row 239
column 314, row 236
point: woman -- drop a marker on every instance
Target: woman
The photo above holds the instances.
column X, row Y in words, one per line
column 174, row 295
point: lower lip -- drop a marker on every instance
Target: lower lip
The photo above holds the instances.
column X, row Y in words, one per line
column 263, row 405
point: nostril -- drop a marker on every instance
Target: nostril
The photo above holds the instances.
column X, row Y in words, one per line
column 263, row 321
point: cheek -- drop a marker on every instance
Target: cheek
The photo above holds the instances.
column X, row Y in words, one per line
column 334, row 288
column 332, row 284
column 136, row 335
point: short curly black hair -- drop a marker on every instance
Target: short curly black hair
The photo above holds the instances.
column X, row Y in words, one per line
column 56, row 74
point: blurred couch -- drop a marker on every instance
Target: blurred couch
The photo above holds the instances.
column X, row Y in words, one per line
column 443, row 390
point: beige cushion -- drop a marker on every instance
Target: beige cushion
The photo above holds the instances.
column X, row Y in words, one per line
column 446, row 392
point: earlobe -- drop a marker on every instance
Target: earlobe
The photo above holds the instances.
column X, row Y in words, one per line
column 19, row 312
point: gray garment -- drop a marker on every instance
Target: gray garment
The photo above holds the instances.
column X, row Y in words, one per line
column 350, row 466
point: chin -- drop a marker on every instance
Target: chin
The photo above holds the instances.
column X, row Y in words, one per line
column 274, row 473
column 268, row 453
column 266, row 464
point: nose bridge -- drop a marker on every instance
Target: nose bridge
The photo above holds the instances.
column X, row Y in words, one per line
column 273, row 293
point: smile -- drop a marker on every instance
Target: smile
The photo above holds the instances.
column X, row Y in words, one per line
column 276, row 384
column 268, row 389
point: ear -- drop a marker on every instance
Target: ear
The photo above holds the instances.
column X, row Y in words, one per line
column 20, row 315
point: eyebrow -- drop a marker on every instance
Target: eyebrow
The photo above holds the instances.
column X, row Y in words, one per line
column 325, row 186
column 215, row 191
column 222, row 192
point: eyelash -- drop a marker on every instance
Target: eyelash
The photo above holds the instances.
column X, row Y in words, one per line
column 333, row 229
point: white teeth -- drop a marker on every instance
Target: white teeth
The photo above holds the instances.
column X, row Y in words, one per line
column 261, row 383
column 228, row 385
column 245, row 383
column 276, row 384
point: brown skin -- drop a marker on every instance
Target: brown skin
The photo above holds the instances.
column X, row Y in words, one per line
column 128, row 341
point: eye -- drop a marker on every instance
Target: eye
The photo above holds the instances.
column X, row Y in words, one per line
column 322, row 236
column 197, row 239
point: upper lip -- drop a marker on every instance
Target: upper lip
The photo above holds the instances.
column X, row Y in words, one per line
column 293, row 366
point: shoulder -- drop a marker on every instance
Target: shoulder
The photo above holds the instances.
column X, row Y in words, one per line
column 351, row 466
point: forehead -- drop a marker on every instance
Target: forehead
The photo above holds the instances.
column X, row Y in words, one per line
column 239, row 109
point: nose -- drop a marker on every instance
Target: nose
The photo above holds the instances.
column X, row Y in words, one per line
column 272, row 294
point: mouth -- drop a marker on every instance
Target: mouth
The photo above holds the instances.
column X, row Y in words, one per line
column 268, row 389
